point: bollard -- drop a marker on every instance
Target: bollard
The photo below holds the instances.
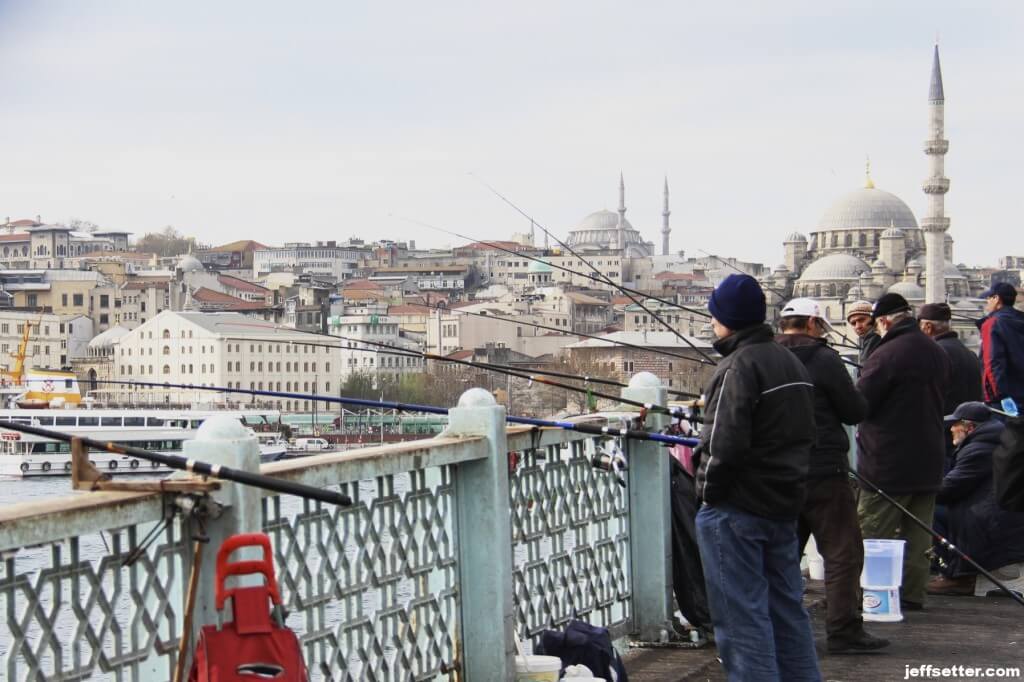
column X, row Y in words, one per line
column 223, row 440
column 485, row 541
column 650, row 519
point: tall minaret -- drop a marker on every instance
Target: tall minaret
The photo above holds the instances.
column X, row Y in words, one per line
column 665, row 229
column 622, row 214
column 936, row 186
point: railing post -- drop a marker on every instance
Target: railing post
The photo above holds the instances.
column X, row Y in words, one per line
column 223, row 440
column 650, row 519
column 485, row 541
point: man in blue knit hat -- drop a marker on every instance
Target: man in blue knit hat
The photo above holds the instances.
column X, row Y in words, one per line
column 754, row 457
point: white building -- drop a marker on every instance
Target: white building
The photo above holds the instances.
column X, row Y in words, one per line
column 372, row 359
column 325, row 259
column 53, row 339
column 224, row 349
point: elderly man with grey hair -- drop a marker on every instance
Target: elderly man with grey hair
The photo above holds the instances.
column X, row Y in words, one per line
column 902, row 443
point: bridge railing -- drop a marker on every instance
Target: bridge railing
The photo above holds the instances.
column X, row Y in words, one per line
column 453, row 548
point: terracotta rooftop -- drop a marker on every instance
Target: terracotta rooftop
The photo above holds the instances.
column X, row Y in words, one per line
column 16, row 237
column 361, row 284
column 241, row 284
column 224, row 301
column 240, row 245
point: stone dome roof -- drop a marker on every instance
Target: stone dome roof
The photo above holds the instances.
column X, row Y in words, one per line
column 538, row 267
column 834, row 266
column 108, row 338
column 796, row 237
column 189, row 263
column 603, row 220
column 868, row 207
column 879, row 264
column 600, row 230
column 907, row 290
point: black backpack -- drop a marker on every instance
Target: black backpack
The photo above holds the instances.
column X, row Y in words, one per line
column 584, row 644
column 1008, row 466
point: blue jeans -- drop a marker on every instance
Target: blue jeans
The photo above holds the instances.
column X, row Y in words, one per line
column 755, row 594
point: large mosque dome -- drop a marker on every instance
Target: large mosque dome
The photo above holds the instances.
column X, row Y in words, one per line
column 836, row 266
column 600, row 231
column 868, row 207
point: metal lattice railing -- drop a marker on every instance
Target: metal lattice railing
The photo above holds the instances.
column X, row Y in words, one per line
column 75, row 611
column 372, row 588
column 570, row 540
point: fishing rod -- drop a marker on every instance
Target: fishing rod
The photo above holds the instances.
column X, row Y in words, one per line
column 194, row 466
column 536, row 325
column 778, row 292
column 595, row 278
column 411, row 407
column 942, row 541
column 598, row 272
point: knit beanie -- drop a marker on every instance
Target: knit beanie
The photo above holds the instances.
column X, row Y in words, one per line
column 738, row 302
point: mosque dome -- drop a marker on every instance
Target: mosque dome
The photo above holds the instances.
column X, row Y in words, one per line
column 538, row 268
column 796, row 237
column 907, row 290
column 108, row 338
column 835, row 266
column 189, row 263
column 879, row 265
column 868, row 207
column 600, row 231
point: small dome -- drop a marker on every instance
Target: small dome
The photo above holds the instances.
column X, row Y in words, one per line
column 539, row 267
column 780, row 269
column 189, row 263
column 796, row 237
column 855, row 293
column 108, row 338
column 868, row 207
column 915, row 262
column 893, row 233
column 879, row 264
column 834, row 266
column 907, row 290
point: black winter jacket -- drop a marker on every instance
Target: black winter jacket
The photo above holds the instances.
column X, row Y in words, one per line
column 965, row 372
column 758, row 427
column 902, row 441
column 836, row 402
column 868, row 343
column 991, row 536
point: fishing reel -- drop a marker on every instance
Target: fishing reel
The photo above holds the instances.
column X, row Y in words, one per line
column 609, row 458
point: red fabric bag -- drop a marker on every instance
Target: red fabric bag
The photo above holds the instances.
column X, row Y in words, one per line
column 255, row 645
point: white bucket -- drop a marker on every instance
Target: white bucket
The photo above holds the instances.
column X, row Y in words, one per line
column 538, row 668
column 882, row 604
column 815, row 562
column 883, row 564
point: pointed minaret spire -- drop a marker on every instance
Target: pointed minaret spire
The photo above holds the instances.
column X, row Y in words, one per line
column 868, row 182
column 935, row 94
column 622, row 213
column 665, row 229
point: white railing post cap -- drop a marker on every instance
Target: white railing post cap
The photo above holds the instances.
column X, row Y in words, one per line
column 644, row 380
column 477, row 397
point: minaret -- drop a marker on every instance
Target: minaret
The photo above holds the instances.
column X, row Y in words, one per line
column 665, row 229
column 622, row 214
column 936, row 186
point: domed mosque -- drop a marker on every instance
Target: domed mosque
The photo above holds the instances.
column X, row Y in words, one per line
column 868, row 242
column 608, row 231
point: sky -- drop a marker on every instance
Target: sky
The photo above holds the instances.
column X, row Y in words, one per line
column 327, row 120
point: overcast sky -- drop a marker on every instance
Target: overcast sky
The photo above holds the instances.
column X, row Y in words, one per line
column 323, row 120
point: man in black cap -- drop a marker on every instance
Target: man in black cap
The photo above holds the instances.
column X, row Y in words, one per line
column 902, row 448
column 1002, row 346
column 968, row 515
column 754, row 455
column 965, row 369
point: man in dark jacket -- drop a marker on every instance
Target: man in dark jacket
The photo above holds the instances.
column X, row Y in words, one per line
column 968, row 515
column 858, row 316
column 754, row 456
column 830, row 511
column 902, row 446
column 965, row 369
column 1002, row 346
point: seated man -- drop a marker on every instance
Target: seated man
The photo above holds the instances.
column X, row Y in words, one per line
column 970, row 517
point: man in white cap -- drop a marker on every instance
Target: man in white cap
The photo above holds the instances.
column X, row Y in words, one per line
column 830, row 509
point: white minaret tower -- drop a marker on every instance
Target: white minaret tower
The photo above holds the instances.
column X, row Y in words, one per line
column 936, row 186
column 622, row 215
column 665, row 229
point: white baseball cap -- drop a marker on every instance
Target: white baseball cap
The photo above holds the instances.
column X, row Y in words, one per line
column 806, row 307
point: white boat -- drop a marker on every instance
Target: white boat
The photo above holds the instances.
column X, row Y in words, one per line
column 163, row 431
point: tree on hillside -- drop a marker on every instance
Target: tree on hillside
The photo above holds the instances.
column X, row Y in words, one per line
column 167, row 242
column 82, row 225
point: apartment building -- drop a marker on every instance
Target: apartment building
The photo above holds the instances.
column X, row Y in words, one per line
column 54, row 340
column 371, row 358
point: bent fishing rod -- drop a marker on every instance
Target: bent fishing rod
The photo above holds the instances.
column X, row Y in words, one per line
column 600, row 274
column 191, row 465
column 594, row 278
column 625, row 344
column 593, row 429
column 935, row 534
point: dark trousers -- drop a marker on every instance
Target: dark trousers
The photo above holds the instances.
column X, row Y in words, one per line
column 830, row 514
column 762, row 630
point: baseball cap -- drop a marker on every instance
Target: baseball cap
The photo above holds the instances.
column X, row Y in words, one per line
column 935, row 312
column 1004, row 290
column 858, row 308
column 970, row 411
column 807, row 307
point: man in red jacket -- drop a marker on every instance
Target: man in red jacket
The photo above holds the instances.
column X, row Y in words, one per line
column 902, row 440
column 1002, row 346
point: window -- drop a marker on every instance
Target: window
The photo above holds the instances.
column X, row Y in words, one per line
column 32, row 300
column 104, row 301
column 104, row 318
column 167, row 369
column 64, row 300
column 167, row 350
column 167, row 334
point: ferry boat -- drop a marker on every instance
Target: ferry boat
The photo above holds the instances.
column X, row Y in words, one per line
column 23, row 455
column 34, row 387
